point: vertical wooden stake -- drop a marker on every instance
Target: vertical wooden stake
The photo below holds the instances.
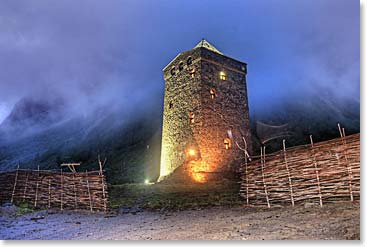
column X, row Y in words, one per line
column 49, row 193
column 340, row 131
column 350, row 184
column 102, row 183
column 246, row 166
column 316, row 170
column 100, row 165
column 103, row 192
column 15, row 185
column 25, row 186
column 37, row 185
column 262, row 171
column 62, row 192
column 289, row 173
column 75, row 198
column 90, row 197
column 350, row 176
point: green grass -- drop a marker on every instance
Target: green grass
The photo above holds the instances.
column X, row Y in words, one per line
column 23, row 208
column 175, row 196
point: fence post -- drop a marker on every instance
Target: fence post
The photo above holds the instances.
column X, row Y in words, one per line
column 62, row 191
column 350, row 176
column 246, row 171
column 289, row 173
column 103, row 188
column 75, row 198
column 90, row 197
column 262, row 153
column 316, row 170
column 37, row 185
column 103, row 191
column 15, row 184
column 49, row 193
column 25, row 186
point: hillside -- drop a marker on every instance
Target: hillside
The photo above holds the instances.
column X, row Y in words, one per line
column 318, row 117
column 130, row 143
column 38, row 133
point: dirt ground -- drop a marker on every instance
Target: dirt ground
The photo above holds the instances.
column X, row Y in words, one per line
column 333, row 221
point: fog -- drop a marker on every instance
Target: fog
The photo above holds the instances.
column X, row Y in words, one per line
column 111, row 53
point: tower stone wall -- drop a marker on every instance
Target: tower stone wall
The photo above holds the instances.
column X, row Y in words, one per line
column 205, row 114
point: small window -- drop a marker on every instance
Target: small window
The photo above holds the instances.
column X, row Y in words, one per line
column 212, row 93
column 243, row 68
column 191, row 117
column 180, row 66
column 222, row 76
column 173, row 71
column 192, row 73
column 189, row 61
column 227, row 143
column 170, row 105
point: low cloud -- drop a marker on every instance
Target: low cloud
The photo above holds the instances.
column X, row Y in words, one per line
column 94, row 53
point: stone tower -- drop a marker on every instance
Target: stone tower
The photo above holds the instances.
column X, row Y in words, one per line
column 205, row 113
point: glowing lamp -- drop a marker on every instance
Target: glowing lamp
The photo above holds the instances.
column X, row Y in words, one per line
column 227, row 143
column 146, row 181
column 192, row 152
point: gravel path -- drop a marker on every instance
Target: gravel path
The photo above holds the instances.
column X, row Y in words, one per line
column 333, row 221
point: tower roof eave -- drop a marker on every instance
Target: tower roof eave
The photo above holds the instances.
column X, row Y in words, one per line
column 202, row 44
column 171, row 61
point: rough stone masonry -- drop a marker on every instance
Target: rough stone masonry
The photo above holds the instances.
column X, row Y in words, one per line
column 205, row 113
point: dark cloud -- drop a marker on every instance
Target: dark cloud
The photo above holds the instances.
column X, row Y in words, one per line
column 107, row 52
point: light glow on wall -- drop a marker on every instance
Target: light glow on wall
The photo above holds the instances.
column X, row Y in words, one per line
column 191, row 152
column 164, row 171
column 197, row 169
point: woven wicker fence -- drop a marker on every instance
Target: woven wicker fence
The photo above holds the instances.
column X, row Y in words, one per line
column 55, row 189
column 321, row 172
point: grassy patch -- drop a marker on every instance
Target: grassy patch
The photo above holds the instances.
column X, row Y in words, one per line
column 23, row 208
column 175, row 196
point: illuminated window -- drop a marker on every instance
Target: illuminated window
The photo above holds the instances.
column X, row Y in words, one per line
column 192, row 73
column 173, row 71
column 191, row 117
column 212, row 93
column 189, row 61
column 170, row 105
column 222, row 76
column 227, row 143
column 180, row 66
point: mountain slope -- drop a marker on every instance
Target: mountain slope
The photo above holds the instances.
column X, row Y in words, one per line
column 130, row 141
